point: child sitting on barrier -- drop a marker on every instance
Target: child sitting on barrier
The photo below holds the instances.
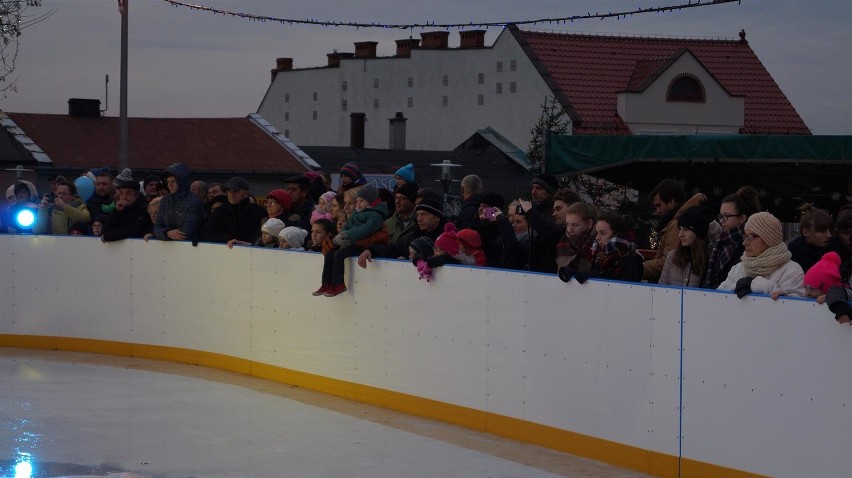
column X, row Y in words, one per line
column 321, row 230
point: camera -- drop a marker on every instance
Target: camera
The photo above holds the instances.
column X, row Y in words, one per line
column 519, row 210
column 50, row 197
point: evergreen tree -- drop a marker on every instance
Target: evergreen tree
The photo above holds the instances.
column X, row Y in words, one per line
column 555, row 120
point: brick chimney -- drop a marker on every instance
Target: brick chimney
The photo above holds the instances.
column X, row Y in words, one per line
column 472, row 39
column 365, row 49
column 404, row 47
column 435, row 39
column 281, row 64
column 334, row 58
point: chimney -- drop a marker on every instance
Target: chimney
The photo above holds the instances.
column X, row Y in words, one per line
column 472, row 39
column 404, row 47
column 281, row 64
column 357, row 123
column 365, row 49
column 84, row 108
column 435, row 39
column 334, row 58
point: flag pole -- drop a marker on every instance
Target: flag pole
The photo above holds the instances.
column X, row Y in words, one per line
column 122, row 153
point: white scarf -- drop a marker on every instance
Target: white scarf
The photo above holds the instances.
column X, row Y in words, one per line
column 767, row 262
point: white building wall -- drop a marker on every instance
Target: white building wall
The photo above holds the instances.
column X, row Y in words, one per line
column 649, row 112
column 430, row 125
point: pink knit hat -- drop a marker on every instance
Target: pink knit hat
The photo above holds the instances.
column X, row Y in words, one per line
column 469, row 239
column 825, row 273
column 448, row 242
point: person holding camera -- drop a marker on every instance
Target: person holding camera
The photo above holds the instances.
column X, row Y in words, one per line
column 57, row 212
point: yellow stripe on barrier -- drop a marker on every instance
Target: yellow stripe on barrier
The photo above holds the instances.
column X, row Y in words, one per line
column 618, row 454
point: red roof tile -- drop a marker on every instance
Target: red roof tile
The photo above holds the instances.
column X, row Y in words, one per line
column 588, row 71
column 207, row 144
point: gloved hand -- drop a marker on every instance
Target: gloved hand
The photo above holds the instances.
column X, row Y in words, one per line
column 743, row 286
column 566, row 273
column 424, row 270
column 581, row 276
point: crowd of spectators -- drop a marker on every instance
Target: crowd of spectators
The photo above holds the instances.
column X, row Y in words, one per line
column 733, row 246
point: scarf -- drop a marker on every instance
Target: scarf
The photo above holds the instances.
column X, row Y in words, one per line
column 767, row 262
column 723, row 253
column 569, row 250
column 608, row 259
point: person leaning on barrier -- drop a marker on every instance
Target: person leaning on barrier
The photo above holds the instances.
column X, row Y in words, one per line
column 726, row 252
column 237, row 222
column 766, row 266
column 181, row 213
column 103, row 200
column 130, row 218
column 403, row 219
column 544, row 232
column 686, row 264
column 56, row 215
column 615, row 255
column 301, row 205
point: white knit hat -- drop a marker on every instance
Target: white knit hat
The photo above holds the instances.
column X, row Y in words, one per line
column 272, row 226
column 766, row 226
column 295, row 236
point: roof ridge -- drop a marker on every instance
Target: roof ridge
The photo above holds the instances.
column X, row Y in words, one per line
column 644, row 36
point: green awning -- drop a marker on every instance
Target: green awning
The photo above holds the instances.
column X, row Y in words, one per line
column 573, row 154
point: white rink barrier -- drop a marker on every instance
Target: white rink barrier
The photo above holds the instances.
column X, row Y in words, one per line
column 590, row 369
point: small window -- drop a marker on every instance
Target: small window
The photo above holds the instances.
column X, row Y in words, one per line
column 315, row 95
column 286, row 116
column 410, row 82
column 499, row 67
column 375, row 103
column 445, row 101
column 315, row 114
column 446, row 80
column 480, row 78
column 480, row 99
column 345, row 105
column 410, row 102
column 287, row 133
column 499, row 88
column 344, row 85
column 513, row 87
column 513, row 65
column 686, row 88
column 375, row 82
column 286, row 97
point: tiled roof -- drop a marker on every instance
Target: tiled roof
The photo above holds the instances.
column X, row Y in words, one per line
column 203, row 144
column 587, row 71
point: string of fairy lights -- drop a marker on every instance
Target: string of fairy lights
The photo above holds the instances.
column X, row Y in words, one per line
column 410, row 26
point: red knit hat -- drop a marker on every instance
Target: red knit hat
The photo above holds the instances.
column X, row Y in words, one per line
column 469, row 239
column 825, row 273
column 283, row 197
column 448, row 242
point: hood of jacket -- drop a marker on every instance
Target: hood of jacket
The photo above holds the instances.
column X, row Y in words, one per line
column 181, row 173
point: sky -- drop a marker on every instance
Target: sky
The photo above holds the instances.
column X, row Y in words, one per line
column 188, row 63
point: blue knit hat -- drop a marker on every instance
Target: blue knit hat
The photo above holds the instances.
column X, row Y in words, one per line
column 406, row 172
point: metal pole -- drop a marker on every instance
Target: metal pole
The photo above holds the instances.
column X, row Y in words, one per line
column 122, row 153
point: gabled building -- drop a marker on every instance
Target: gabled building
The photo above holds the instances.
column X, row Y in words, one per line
column 432, row 97
column 214, row 148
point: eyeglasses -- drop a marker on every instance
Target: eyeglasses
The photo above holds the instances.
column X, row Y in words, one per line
column 724, row 217
column 751, row 237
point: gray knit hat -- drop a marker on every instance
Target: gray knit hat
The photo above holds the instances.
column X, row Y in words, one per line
column 766, row 226
column 368, row 193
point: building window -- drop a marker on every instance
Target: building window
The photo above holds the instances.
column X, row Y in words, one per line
column 446, row 80
column 344, row 86
column 445, row 101
column 315, row 114
column 513, row 87
column 410, row 102
column 375, row 82
column 686, row 88
column 513, row 65
column 410, row 82
column 499, row 88
column 480, row 78
column 286, row 97
column 315, row 95
column 345, row 105
column 287, row 133
column 375, row 103
column 480, row 99
column 499, row 67
column 286, row 116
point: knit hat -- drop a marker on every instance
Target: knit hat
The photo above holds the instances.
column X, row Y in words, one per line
column 547, row 181
column 423, row 246
column 369, row 193
column 79, row 227
column 408, row 190
column 766, row 226
column 272, row 226
column 311, row 175
column 406, row 172
column 825, row 273
column 431, row 205
column 329, row 197
column 125, row 180
column 151, row 178
column 469, row 239
column 697, row 219
column 295, row 236
column 350, row 170
column 493, row 200
column 448, row 241
column 283, row 197
column 237, row 182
